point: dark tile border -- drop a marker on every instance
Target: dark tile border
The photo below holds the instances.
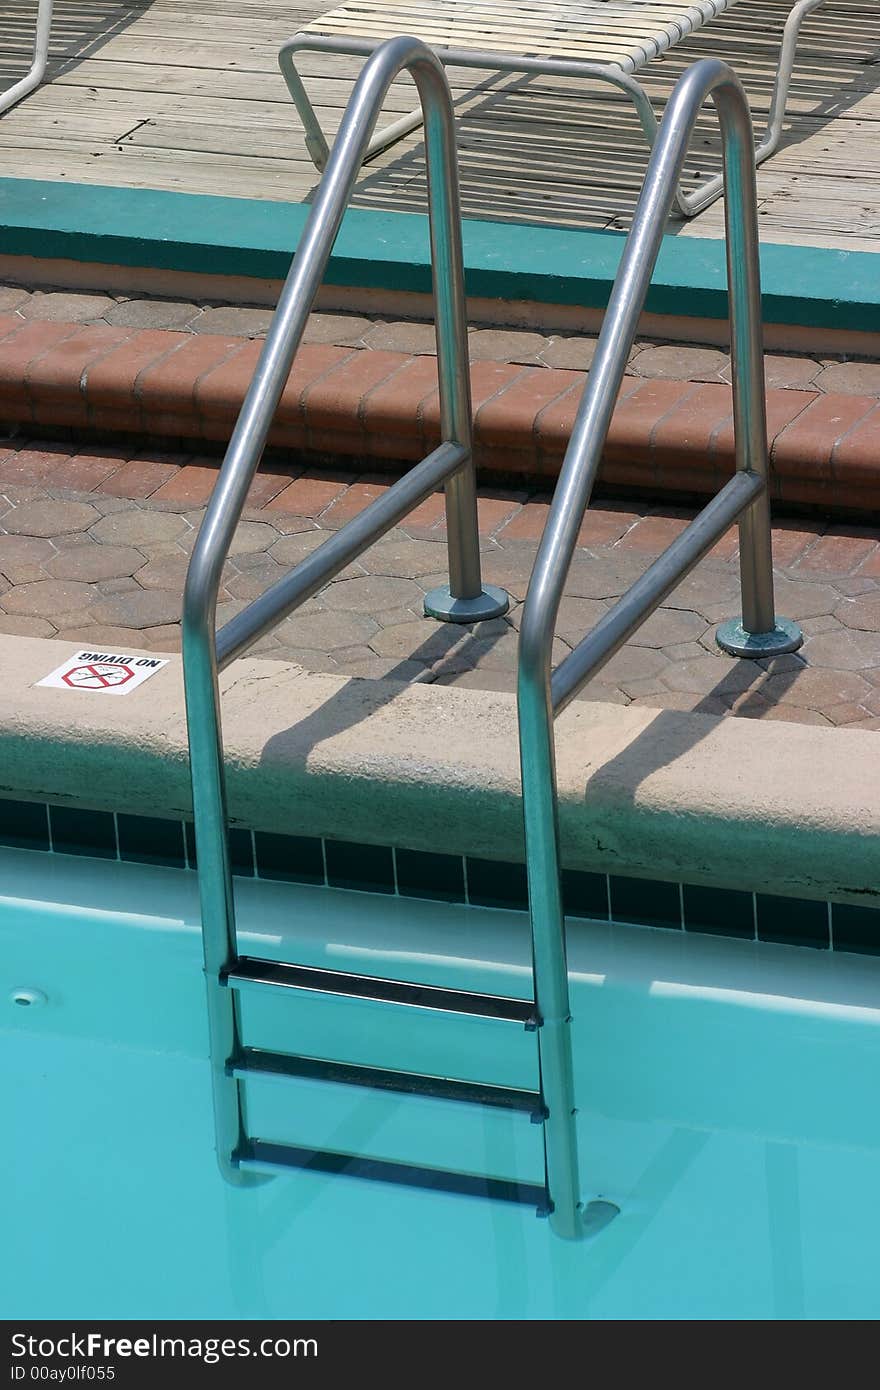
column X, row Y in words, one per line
column 450, row 878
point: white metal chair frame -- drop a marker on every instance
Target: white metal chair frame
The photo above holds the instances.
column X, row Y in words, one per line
column 37, row 71
column 363, row 14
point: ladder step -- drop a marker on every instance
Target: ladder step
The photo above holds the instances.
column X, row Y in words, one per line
column 257, row 1061
column 248, row 970
column 261, row 1155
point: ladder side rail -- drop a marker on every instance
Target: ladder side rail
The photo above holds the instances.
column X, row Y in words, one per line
column 200, row 663
column 746, row 498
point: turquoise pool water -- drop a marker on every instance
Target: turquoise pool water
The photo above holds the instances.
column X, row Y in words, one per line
column 727, row 1098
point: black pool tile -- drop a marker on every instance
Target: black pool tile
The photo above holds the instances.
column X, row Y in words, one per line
column 494, row 883
column 855, row 928
column 793, row 921
column 423, row 875
column 648, row 902
column 24, row 824
column 241, row 850
column 148, row 840
column 83, row 832
column 369, row 868
column 585, row 894
column 720, row 911
column 294, row 858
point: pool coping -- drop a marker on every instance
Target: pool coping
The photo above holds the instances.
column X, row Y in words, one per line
column 172, row 231
column 736, row 806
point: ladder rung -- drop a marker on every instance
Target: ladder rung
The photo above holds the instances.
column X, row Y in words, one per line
column 260, row 1154
column 250, row 970
column 257, row 1061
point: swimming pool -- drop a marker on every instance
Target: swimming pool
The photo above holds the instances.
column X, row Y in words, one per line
column 725, row 1091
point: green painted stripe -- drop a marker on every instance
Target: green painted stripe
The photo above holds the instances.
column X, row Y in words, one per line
column 389, row 250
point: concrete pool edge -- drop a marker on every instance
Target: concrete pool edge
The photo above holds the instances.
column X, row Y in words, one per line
column 234, row 237
column 733, row 803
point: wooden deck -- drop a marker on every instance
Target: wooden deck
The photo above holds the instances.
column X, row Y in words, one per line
column 186, row 95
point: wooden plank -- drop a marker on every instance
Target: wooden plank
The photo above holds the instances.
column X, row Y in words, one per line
column 186, row 94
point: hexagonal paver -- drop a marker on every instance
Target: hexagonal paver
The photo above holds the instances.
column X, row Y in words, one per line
column 502, row 681
column 48, row 517
column 679, row 362
column 668, row 626
column 151, row 313
column 46, row 598
column 574, row 353
column 815, row 688
column 510, row 569
column 25, row 627
column 164, row 638
column 289, row 550
column 712, row 592
column 372, row 593
column 631, row 663
column 713, row 675
column 852, row 586
column 422, row 640
column 256, row 579
column 841, row 715
column 801, row 599
column 164, row 571
column 688, row 701
column 688, row 651
column 325, row 631
column 123, row 585
column 136, row 526
column 844, row 650
column 607, row 575
column 92, row 561
column 504, row 345
column 109, row 637
column 851, row 378
column 392, row 616
column 415, row 339
column 146, row 608
column 862, row 613
column 502, row 653
column 825, row 622
column 599, row 692
column 405, row 559
column 577, row 617
column 22, row 558
column 249, row 535
column 307, row 657
column 66, row 306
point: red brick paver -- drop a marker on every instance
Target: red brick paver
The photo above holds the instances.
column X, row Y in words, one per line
column 668, row 436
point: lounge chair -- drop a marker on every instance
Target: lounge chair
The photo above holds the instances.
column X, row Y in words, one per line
column 605, row 39
column 34, row 76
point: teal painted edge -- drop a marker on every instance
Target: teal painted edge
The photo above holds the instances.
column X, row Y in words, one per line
column 802, row 285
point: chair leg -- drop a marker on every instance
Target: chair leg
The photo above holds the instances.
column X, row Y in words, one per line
column 37, row 71
column 316, row 141
column 692, row 203
column 647, row 119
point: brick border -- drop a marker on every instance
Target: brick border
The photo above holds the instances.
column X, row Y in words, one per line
column 667, row 437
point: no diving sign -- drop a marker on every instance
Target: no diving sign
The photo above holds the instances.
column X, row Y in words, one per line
column 103, row 673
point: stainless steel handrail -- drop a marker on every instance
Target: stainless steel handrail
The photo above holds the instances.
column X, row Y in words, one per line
column 465, row 600
column 542, row 693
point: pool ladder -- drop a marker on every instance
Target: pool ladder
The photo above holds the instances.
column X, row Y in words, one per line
column 244, row 1156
